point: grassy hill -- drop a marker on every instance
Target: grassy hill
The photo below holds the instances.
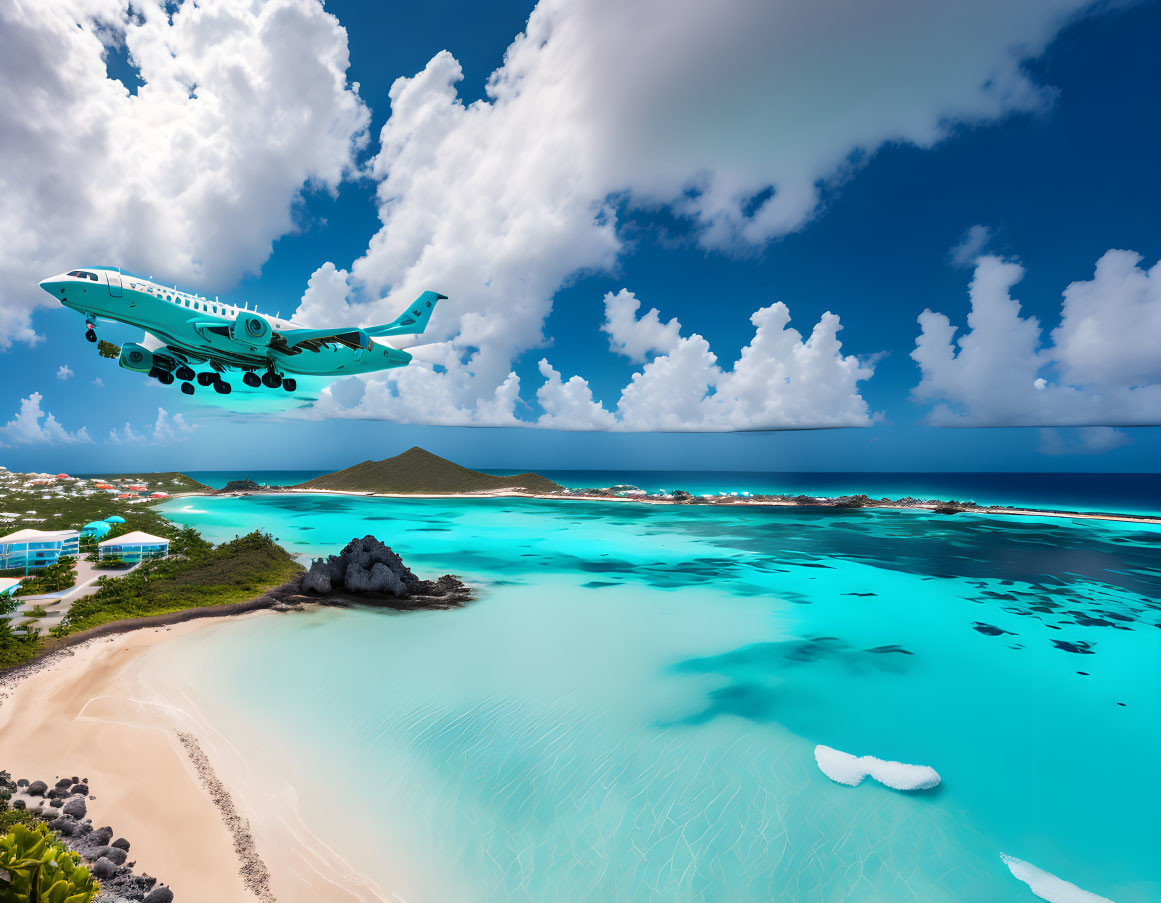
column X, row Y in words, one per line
column 420, row 471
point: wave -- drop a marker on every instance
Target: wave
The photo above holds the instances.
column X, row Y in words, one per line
column 844, row 768
column 1047, row 886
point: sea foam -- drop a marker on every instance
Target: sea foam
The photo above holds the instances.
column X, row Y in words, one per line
column 850, row 770
column 1047, row 886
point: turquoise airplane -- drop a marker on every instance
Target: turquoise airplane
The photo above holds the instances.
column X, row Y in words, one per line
column 184, row 331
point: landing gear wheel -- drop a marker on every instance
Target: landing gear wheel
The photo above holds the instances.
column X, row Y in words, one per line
column 271, row 380
column 187, row 388
column 155, row 373
column 222, row 387
column 251, row 379
column 184, row 372
column 289, row 384
column 207, row 379
column 90, row 335
column 165, row 378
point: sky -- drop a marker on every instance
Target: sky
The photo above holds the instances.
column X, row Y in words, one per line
column 902, row 236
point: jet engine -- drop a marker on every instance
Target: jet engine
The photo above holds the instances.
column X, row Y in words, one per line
column 251, row 329
column 134, row 357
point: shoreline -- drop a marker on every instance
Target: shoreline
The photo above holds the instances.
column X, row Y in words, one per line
column 163, row 775
column 930, row 506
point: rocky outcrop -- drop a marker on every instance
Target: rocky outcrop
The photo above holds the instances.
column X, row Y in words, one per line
column 368, row 571
column 240, row 486
column 65, row 805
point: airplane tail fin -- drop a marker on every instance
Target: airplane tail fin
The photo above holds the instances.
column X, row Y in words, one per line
column 412, row 321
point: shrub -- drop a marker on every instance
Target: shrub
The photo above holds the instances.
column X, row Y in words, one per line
column 34, row 866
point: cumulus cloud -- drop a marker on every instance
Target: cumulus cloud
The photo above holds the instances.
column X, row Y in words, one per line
column 243, row 106
column 738, row 117
column 633, row 336
column 1101, row 367
column 781, row 380
column 165, row 429
column 33, row 426
column 64, row 371
column 971, row 246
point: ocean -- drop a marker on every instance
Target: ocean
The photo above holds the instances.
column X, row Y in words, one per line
column 1129, row 493
column 629, row 710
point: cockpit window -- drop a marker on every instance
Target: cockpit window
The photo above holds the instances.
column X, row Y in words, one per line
column 84, row 274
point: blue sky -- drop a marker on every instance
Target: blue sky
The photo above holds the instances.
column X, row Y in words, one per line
column 1056, row 182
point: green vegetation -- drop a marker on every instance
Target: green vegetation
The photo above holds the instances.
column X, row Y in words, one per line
column 419, row 471
column 35, row 867
column 199, row 576
column 108, row 349
column 194, row 575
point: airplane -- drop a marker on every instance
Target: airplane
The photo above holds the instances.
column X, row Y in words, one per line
column 185, row 330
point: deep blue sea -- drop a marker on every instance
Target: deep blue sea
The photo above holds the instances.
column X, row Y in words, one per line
column 630, row 708
column 1129, row 493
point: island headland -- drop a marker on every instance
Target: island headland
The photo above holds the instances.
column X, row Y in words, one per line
column 419, row 473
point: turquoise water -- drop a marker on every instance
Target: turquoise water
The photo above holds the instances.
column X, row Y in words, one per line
column 629, row 710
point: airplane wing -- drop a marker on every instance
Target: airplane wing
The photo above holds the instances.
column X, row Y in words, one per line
column 289, row 341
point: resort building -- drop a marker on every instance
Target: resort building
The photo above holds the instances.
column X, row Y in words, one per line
column 134, row 546
column 8, row 586
column 29, row 549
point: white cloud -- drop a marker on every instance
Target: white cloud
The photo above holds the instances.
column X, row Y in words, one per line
column 64, row 371
column 633, row 336
column 569, row 405
column 779, row 381
column 244, row 104
column 98, row 382
column 971, row 246
column 1101, row 368
column 32, row 426
column 1084, row 440
column 737, row 116
column 165, row 429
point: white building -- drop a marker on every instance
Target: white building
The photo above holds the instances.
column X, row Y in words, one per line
column 133, row 546
column 28, row 549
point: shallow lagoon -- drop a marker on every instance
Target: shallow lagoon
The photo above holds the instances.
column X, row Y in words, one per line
column 630, row 709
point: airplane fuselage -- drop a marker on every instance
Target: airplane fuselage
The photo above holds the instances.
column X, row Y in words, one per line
column 194, row 329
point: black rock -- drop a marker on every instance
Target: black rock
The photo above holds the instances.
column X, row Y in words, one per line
column 121, row 844
column 160, row 894
column 82, row 789
column 85, row 828
column 114, row 854
column 19, row 804
column 75, row 807
column 23, row 782
column 66, row 824
column 56, row 804
column 64, row 783
column 102, row 836
column 104, row 868
column 37, row 788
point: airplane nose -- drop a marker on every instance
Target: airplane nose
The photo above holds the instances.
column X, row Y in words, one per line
column 53, row 285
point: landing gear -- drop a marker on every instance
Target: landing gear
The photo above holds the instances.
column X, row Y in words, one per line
column 251, row 379
column 165, row 378
column 207, row 379
column 289, row 385
column 222, row 387
column 187, row 388
column 184, row 372
column 91, row 334
column 271, row 380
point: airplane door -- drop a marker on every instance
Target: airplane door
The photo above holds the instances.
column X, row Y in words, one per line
column 114, row 280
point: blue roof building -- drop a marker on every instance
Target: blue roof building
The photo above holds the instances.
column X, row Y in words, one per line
column 96, row 529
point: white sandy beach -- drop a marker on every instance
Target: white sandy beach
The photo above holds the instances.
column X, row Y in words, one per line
column 88, row 714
